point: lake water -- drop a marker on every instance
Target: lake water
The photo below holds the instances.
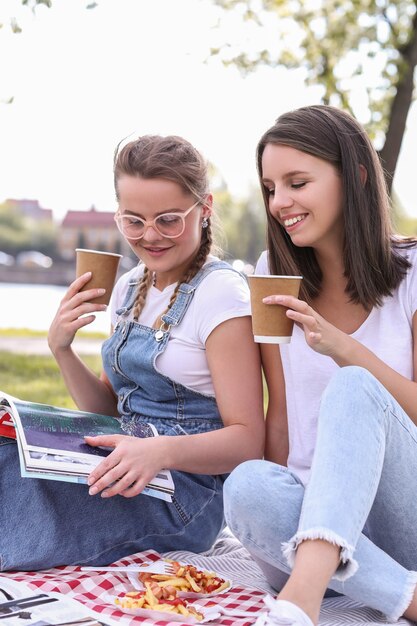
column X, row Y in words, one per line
column 34, row 307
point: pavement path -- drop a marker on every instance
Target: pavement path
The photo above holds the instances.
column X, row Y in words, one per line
column 39, row 345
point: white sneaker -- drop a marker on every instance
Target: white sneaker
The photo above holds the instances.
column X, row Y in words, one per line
column 282, row 613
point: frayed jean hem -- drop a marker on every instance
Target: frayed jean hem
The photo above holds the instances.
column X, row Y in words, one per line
column 407, row 597
column 348, row 566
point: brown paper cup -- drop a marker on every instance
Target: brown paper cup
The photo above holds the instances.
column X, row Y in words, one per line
column 103, row 266
column 269, row 322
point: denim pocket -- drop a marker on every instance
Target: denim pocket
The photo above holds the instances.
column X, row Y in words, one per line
column 193, row 492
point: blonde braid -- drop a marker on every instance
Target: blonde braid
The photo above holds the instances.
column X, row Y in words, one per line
column 142, row 291
column 195, row 267
column 201, row 256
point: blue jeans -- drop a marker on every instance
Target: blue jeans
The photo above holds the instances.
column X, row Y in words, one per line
column 45, row 523
column 362, row 496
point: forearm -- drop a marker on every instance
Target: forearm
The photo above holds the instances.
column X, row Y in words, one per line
column 277, row 443
column 215, row 452
column 87, row 390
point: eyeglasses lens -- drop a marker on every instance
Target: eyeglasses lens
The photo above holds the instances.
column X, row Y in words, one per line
column 168, row 225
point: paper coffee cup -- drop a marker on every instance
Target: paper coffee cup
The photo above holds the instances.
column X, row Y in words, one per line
column 269, row 321
column 103, row 266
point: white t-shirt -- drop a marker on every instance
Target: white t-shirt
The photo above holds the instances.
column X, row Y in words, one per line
column 387, row 332
column 222, row 295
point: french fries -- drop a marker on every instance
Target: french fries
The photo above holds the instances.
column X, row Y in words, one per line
column 157, row 598
column 187, row 578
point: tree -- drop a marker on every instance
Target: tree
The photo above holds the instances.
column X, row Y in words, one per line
column 32, row 4
column 243, row 225
column 361, row 52
column 18, row 233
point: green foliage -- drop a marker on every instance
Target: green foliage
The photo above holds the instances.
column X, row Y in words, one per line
column 18, row 232
column 37, row 378
column 243, row 224
column 32, row 4
column 336, row 42
column 403, row 224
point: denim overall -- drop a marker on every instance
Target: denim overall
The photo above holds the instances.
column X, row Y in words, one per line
column 130, row 360
column 45, row 523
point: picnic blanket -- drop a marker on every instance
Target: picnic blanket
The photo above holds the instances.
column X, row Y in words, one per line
column 227, row 557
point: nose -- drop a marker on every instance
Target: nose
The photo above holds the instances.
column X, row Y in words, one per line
column 280, row 199
column 150, row 234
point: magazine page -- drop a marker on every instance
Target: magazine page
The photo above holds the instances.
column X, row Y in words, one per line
column 52, row 446
column 161, row 486
column 53, row 429
column 19, row 604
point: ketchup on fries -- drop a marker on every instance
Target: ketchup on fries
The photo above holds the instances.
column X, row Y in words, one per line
column 187, row 578
column 157, row 598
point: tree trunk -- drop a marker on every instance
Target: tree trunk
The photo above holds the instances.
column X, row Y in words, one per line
column 399, row 109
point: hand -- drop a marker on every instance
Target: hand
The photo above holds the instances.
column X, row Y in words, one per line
column 129, row 468
column 68, row 320
column 320, row 335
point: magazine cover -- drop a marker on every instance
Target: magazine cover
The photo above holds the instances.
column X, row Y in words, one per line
column 52, row 446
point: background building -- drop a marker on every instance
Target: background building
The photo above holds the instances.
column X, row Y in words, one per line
column 91, row 229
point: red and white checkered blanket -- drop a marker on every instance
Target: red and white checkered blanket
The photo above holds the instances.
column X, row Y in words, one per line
column 97, row 590
column 228, row 558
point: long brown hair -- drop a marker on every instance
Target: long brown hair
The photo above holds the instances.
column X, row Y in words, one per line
column 372, row 264
column 175, row 159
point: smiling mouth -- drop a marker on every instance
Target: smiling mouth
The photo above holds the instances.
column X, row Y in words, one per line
column 148, row 249
column 294, row 220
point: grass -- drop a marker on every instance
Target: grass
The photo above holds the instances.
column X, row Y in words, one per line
column 26, row 332
column 37, row 378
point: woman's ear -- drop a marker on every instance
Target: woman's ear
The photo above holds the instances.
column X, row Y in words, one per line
column 363, row 173
column 208, row 205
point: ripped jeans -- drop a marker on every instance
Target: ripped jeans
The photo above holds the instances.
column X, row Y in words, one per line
column 362, row 496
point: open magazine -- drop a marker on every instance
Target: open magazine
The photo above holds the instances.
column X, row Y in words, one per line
column 21, row 605
column 51, row 442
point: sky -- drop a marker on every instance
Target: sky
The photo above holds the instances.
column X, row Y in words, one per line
column 83, row 79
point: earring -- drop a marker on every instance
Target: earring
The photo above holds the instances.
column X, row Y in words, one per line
column 205, row 222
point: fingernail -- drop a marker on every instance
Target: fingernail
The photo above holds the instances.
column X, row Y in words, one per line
column 92, row 491
column 101, row 291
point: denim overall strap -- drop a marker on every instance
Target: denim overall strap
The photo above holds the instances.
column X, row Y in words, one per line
column 129, row 300
column 186, row 291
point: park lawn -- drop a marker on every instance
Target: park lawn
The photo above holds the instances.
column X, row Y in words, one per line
column 28, row 332
column 37, row 378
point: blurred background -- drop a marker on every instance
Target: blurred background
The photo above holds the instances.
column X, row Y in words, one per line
column 77, row 77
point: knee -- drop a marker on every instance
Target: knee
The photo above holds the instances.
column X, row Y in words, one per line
column 352, row 385
column 353, row 395
column 349, row 377
column 261, row 497
column 240, row 491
